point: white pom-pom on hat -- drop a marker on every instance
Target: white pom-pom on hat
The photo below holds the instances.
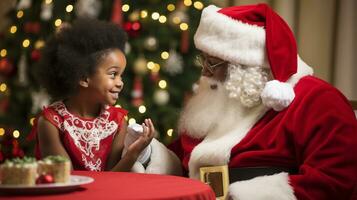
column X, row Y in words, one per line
column 277, row 95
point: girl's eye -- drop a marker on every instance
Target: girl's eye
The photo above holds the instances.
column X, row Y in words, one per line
column 113, row 74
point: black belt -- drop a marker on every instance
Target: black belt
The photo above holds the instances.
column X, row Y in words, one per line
column 246, row 173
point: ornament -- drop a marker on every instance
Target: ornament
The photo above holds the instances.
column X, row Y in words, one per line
column 1, row 157
column 46, row 11
column 134, row 16
column 140, row 65
column 39, row 44
column 132, row 28
column 88, row 8
column 127, row 48
column 35, row 55
column 16, row 149
column 45, row 178
column 4, row 105
column 174, row 64
column 177, row 17
column 32, row 27
column 23, row 4
column 137, row 93
column 185, row 41
column 39, row 100
column 150, row 43
column 6, row 67
column 22, row 70
column 161, row 97
column 154, row 76
column 117, row 13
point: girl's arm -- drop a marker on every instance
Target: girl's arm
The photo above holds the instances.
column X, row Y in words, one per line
column 127, row 162
column 117, row 147
column 49, row 139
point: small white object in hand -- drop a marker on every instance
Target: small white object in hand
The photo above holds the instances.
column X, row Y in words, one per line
column 134, row 131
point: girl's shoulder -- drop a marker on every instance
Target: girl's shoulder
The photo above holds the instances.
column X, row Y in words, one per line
column 116, row 113
column 55, row 113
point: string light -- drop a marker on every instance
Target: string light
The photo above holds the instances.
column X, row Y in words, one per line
column 155, row 15
column 20, row 14
column 162, row 84
column 176, row 20
column 3, row 52
column 187, row 2
column 32, row 121
column 143, row 14
column 3, row 87
column 170, row 7
column 162, row 19
column 16, row 134
column 125, row 8
column 156, row 68
column 169, row 132
column 183, row 26
column 132, row 121
column 150, row 65
column 198, row 5
column 2, row 131
column 142, row 109
column 26, row 43
column 165, row 55
column 69, row 8
column 13, row 29
column 58, row 22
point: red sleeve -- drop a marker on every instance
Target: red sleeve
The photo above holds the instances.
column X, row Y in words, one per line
column 52, row 116
column 326, row 146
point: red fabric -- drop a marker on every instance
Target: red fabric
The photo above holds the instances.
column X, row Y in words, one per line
column 87, row 141
column 117, row 14
column 121, row 185
column 280, row 42
column 316, row 134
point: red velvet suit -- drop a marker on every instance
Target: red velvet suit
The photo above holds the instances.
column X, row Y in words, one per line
column 317, row 134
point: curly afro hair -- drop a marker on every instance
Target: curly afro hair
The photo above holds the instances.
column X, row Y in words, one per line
column 74, row 52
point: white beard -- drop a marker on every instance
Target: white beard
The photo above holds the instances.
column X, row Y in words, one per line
column 210, row 110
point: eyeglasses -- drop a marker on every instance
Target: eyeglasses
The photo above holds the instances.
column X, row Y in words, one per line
column 203, row 61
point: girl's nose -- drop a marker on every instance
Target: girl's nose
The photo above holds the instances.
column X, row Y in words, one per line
column 119, row 83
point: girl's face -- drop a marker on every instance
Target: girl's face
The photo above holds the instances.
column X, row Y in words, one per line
column 106, row 83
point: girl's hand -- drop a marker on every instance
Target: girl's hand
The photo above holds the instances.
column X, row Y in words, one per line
column 144, row 140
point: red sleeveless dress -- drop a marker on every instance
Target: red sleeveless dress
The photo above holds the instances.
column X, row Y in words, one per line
column 87, row 141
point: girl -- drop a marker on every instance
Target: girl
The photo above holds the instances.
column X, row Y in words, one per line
column 81, row 69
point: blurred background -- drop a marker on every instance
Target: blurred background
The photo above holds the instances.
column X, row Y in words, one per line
column 161, row 70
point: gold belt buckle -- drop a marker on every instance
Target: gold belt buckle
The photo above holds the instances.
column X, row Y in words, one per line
column 216, row 177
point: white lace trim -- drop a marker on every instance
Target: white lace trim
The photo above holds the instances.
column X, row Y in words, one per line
column 86, row 134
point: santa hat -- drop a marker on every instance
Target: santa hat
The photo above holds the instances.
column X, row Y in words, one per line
column 252, row 35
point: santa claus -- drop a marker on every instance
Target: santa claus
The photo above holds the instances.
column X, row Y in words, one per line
column 283, row 133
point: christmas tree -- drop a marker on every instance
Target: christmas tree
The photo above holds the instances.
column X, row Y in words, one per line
column 161, row 67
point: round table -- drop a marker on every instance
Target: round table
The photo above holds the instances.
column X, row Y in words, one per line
column 122, row 185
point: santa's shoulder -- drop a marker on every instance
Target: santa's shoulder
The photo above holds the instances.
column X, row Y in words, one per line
column 314, row 91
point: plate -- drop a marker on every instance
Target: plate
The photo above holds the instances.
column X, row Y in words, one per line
column 74, row 183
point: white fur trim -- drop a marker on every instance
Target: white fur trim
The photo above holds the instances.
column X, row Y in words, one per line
column 278, row 95
column 229, row 39
column 216, row 147
column 162, row 160
column 275, row 187
column 138, row 168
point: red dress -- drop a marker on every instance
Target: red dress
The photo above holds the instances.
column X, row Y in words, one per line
column 87, row 141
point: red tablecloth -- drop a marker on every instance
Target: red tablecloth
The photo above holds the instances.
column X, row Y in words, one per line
column 121, row 185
